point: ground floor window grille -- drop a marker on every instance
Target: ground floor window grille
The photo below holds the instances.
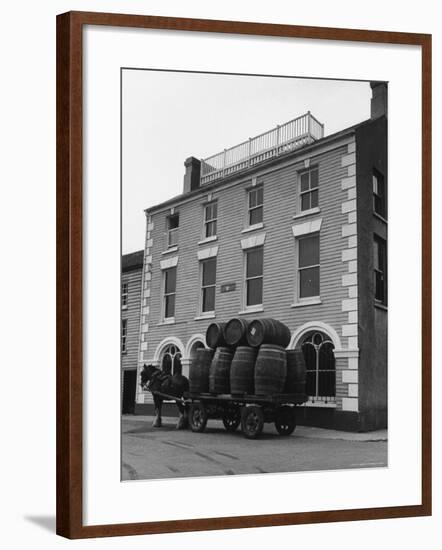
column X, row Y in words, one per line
column 171, row 360
column 321, row 371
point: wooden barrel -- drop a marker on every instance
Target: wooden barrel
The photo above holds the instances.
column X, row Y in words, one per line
column 270, row 370
column 268, row 331
column 235, row 332
column 296, row 372
column 215, row 335
column 219, row 377
column 242, row 370
column 199, row 371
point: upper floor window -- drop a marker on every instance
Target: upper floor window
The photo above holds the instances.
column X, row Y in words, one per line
column 254, row 276
column 210, row 219
column 173, row 222
column 308, row 266
column 208, row 285
column 379, row 195
column 308, row 190
column 169, row 292
column 124, row 336
column 255, row 205
column 124, row 295
column 380, row 269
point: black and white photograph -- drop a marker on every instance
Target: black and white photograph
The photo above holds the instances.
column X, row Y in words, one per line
column 254, row 274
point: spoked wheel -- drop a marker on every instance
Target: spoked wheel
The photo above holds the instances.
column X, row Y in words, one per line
column 285, row 421
column 231, row 418
column 197, row 417
column 252, row 421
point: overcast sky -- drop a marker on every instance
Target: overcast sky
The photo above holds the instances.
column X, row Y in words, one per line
column 169, row 116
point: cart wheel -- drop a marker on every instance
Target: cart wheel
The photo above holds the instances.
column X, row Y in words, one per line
column 252, row 421
column 231, row 418
column 197, row 417
column 285, row 421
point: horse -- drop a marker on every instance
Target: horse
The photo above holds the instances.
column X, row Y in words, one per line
column 154, row 379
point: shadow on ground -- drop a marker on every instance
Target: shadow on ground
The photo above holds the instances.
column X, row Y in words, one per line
column 45, row 522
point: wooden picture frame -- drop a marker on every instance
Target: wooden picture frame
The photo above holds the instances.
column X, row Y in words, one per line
column 70, row 271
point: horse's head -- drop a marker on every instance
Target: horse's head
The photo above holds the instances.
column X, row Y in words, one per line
column 146, row 374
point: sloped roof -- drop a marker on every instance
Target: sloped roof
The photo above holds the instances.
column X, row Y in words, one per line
column 134, row 260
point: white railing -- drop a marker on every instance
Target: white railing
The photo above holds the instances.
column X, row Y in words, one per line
column 282, row 139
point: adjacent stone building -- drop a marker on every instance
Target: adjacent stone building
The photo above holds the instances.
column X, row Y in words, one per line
column 131, row 282
column 292, row 225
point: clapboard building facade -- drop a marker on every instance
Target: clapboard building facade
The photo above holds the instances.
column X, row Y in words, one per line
column 131, row 283
column 290, row 225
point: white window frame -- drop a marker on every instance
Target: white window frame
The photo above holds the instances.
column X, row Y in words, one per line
column 165, row 319
column 124, row 336
column 202, row 313
column 310, row 300
column 377, row 177
column 124, row 294
column 380, row 242
column 254, row 307
column 249, row 191
column 317, row 398
column 212, row 220
column 172, row 233
column 312, row 209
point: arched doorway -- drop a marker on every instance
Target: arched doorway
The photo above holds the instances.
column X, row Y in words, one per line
column 317, row 348
column 170, row 361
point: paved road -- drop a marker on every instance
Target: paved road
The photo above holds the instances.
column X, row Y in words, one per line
column 154, row 453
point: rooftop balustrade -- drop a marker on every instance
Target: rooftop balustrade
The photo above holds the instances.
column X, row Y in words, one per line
column 287, row 137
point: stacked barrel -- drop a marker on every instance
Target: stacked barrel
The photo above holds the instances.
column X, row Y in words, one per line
column 248, row 358
column 271, row 337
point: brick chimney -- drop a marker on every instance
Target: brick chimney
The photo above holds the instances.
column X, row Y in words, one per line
column 192, row 174
column 379, row 99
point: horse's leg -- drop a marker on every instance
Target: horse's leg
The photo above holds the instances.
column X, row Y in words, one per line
column 157, row 420
column 183, row 421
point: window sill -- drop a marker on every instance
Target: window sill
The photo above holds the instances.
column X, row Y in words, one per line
column 168, row 321
column 313, row 302
column 208, row 240
column 208, row 315
column 169, row 250
column 310, row 212
column 381, row 306
column 251, row 309
column 376, row 215
column 253, row 227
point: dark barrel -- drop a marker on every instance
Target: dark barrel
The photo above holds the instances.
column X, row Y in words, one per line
column 296, row 372
column 242, row 370
column 219, row 377
column 215, row 335
column 199, row 371
column 268, row 331
column 235, row 332
column 270, row 370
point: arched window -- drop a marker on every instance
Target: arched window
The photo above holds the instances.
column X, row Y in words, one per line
column 195, row 346
column 171, row 360
column 321, row 371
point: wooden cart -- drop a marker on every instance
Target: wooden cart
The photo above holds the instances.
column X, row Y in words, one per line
column 249, row 411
